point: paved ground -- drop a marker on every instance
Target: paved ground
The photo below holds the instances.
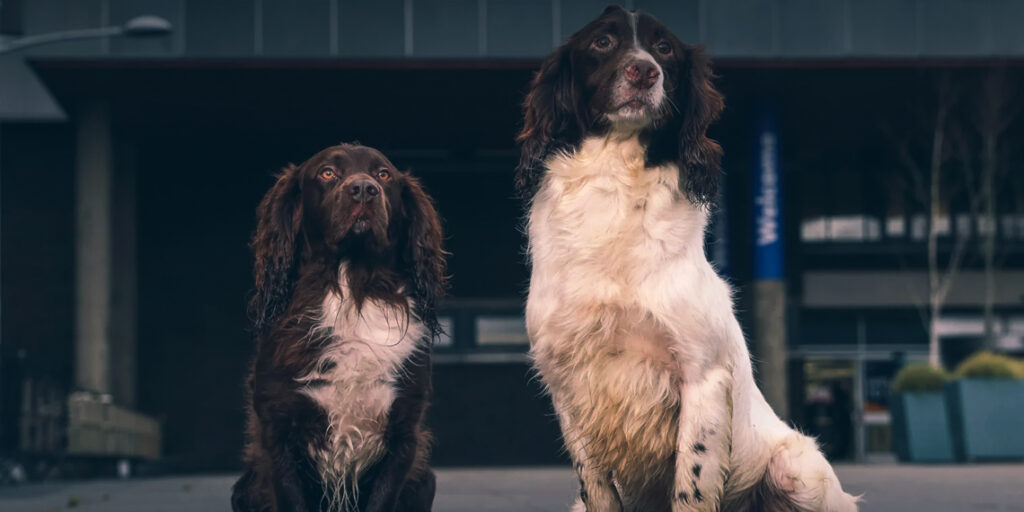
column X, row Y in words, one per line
column 886, row 488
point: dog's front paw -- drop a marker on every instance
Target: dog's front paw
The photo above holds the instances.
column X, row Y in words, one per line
column 597, row 494
column 580, row 506
column 704, row 443
column 700, row 490
column 800, row 478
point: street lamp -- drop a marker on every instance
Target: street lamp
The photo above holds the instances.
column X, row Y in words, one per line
column 139, row 26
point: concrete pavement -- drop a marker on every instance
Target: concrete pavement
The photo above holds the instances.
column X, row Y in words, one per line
column 888, row 488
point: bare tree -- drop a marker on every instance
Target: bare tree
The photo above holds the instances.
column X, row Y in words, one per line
column 992, row 118
column 984, row 155
column 928, row 172
column 966, row 158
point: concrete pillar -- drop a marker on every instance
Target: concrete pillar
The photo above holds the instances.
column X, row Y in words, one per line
column 770, row 342
column 769, row 265
column 105, row 257
column 93, row 196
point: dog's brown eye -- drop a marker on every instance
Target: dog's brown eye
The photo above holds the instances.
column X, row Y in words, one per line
column 384, row 175
column 664, row 48
column 328, row 173
column 603, row 43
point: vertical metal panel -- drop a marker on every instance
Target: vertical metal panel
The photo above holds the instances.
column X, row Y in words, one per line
column 332, row 35
column 481, row 26
column 124, row 10
column 11, row 19
column 293, row 29
column 224, row 28
column 371, row 29
column 811, row 27
column 407, row 26
column 681, row 16
column 1007, row 27
column 445, row 28
column 953, row 27
column 57, row 15
column 517, row 28
column 577, row 13
column 883, row 27
column 257, row 26
column 740, row 27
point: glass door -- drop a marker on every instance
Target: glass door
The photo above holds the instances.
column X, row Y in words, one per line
column 829, row 405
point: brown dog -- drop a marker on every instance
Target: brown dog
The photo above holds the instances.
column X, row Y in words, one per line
column 348, row 267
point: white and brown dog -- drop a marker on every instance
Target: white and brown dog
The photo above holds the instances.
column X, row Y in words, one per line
column 632, row 330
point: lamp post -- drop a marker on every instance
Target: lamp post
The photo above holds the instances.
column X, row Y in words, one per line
column 144, row 26
column 140, row 26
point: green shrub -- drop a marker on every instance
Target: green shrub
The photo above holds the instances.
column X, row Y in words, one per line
column 919, row 377
column 986, row 365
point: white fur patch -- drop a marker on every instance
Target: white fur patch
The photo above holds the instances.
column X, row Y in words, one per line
column 361, row 365
column 605, row 229
column 623, row 303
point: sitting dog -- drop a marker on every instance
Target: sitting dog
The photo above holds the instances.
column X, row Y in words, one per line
column 632, row 331
column 348, row 267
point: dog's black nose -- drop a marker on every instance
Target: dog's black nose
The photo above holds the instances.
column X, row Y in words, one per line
column 642, row 74
column 364, row 190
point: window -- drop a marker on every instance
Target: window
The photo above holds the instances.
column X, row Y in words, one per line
column 837, row 210
column 963, row 225
column 501, row 330
column 896, row 226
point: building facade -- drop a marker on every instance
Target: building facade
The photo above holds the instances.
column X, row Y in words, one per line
column 130, row 171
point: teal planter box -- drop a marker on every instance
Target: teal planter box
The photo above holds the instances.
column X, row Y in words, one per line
column 987, row 419
column 921, row 427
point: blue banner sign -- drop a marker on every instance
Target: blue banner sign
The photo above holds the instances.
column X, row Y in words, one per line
column 768, row 227
column 720, row 234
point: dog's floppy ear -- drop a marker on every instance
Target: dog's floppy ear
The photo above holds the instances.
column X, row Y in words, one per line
column 423, row 253
column 551, row 116
column 700, row 158
column 275, row 247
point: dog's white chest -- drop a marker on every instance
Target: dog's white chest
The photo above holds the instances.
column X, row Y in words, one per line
column 605, row 216
column 614, row 243
column 354, row 381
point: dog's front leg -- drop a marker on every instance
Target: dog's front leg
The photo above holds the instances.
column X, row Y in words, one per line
column 279, row 410
column 597, row 485
column 405, row 441
column 704, row 442
column 394, row 472
column 288, row 491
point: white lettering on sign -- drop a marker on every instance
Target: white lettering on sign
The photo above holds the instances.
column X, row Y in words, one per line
column 768, row 195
